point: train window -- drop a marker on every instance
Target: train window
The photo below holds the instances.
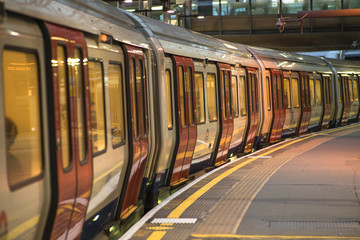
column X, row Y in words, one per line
column 325, row 90
column 22, row 117
column 280, row 87
column 116, row 104
column 287, row 93
column 228, row 93
column 351, row 92
column 169, row 98
column 190, row 89
column 276, row 93
column 295, row 92
column 223, row 96
column 318, row 92
column 243, row 97
column 134, row 97
column 211, row 96
column 142, row 93
column 268, row 93
column 356, row 91
column 80, row 105
column 182, row 96
column 235, row 96
column 63, row 106
column 307, row 87
column 97, row 113
column 312, row 93
column 339, row 90
column 199, row 98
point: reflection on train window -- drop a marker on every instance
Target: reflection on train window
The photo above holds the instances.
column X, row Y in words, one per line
column 312, row 93
column 228, row 93
column 268, row 92
column 199, row 98
column 140, row 89
column 235, row 96
column 356, row 91
column 295, row 92
column 318, row 92
column 276, row 93
column 351, row 92
column 339, row 90
column 116, row 104
column 63, row 106
column 22, row 117
column 80, row 106
column 211, row 96
column 287, row 93
column 280, row 89
column 223, row 96
column 189, row 85
column 134, row 98
column 168, row 98
column 308, row 101
column 182, row 96
column 243, row 97
column 97, row 119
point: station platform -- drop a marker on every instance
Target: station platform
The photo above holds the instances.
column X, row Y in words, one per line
column 301, row 188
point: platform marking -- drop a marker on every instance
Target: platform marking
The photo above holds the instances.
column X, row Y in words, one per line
column 234, row 236
column 156, row 235
column 259, row 156
column 174, row 220
column 152, row 212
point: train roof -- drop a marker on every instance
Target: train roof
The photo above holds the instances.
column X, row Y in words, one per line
column 345, row 66
column 290, row 61
column 180, row 41
column 92, row 16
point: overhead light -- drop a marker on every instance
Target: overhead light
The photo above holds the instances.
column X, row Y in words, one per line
column 128, row 1
column 200, row 17
column 170, row 11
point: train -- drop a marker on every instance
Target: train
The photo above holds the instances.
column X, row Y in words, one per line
column 105, row 113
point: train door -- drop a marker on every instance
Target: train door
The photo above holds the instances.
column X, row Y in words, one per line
column 277, row 85
column 73, row 153
column 325, row 119
column 357, row 94
column 254, row 108
column 346, row 99
column 305, row 104
column 138, row 128
column 227, row 121
column 184, row 77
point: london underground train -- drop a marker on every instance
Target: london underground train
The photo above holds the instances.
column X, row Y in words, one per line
column 105, row 113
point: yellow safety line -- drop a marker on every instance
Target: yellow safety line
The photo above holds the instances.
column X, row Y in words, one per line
column 233, row 236
column 156, row 235
column 14, row 233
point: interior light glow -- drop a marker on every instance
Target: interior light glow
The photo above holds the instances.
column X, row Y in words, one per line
column 157, row 8
column 128, row 1
column 170, row 11
column 200, row 17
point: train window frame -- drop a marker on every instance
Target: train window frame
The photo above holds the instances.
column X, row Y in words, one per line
column 318, row 91
column 287, row 93
column 214, row 97
column 223, row 95
column 133, row 99
column 41, row 174
column 168, row 89
column 143, row 105
column 229, row 92
column 83, row 102
column 203, row 99
column 190, row 87
column 312, row 92
column 297, row 93
column 235, row 91
column 356, row 89
column 99, row 60
column 182, row 86
column 351, row 90
column 268, row 91
column 244, row 100
column 113, row 62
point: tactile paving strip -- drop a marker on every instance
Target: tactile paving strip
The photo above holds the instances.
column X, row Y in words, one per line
column 315, row 225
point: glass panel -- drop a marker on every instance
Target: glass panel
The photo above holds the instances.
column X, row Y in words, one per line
column 81, row 125
column 351, row 93
column 312, row 92
column 339, row 90
column 243, row 110
column 234, row 7
column 189, row 86
column 280, row 88
column 326, row 4
column 287, row 93
column 351, row 4
column 293, row 6
column 116, row 104
column 308, row 101
column 268, row 93
column 228, row 94
column 182, row 97
column 22, row 116
column 134, row 98
column 199, row 98
column 168, row 98
column 295, row 92
column 141, row 93
column 235, row 96
column 264, row 7
column 211, row 96
column 276, row 93
column 356, row 91
column 318, row 92
column 223, row 97
column 63, row 106
column 97, row 118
